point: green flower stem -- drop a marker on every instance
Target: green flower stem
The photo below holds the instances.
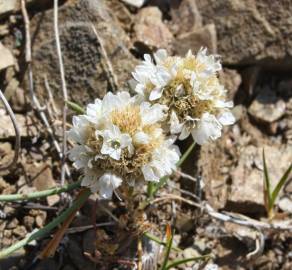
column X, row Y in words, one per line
column 39, row 194
column 45, row 230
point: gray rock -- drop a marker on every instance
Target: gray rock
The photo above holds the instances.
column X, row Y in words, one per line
column 250, row 31
column 150, row 29
column 185, row 16
column 266, row 107
column 86, row 71
column 231, row 80
column 26, row 127
column 6, row 58
column 202, row 37
column 248, row 179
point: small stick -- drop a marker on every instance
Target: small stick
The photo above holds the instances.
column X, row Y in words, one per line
column 225, row 217
column 64, row 91
column 112, row 75
column 88, row 227
column 17, row 133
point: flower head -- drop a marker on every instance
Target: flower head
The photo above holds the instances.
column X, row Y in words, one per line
column 119, row 140
column 190, row 88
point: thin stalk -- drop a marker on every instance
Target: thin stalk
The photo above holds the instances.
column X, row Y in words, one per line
column 39, row 194
column 45, row 230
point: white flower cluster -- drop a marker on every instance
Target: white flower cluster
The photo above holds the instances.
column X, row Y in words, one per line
column 190, row 89
column 120, row 140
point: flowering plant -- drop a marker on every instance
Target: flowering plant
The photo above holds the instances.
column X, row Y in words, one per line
column 120, row 141
column 189, row 87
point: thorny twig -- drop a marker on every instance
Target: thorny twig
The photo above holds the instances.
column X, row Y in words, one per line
column 35, row 102
column 17, row 133
column 64, row 90
column 112, row 75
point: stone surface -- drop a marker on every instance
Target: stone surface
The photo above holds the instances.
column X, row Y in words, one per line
column 185, row 16
column 266, row 107
column 202, row 37
column 250, row 30
column 41, row 175
column 246, row 192
column 24, row 122
column 231, row 80
column 6, row 57
column 86, row 71
column 150, row 29
column 285, row 204
column 6, row 155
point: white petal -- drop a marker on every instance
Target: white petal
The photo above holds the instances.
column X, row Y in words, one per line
column 107, row 183
column 175, row 125
column 141, row 138
column 149, row 174
column 184, row 133
column 160, row 56
column 156, row 93
column 226, row 118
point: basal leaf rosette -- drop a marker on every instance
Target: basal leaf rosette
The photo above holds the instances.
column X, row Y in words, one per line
column 189, row 87
column 120, row 141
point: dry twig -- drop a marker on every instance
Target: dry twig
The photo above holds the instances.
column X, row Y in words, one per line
column 64, row 90
column 17, row 133
column 226, row 216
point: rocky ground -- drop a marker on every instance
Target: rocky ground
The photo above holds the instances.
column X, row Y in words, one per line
column 254, row 40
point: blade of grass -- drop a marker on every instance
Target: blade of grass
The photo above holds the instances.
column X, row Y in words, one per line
column 39, row 194
column 279, row 186
column 159, row 241
column 267, row 183
column 169, row 238
column 75, row 107
column 45, row 230
column 183, row 261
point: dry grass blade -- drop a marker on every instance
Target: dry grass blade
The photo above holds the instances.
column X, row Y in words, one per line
column 64, row 90
column 52, row 246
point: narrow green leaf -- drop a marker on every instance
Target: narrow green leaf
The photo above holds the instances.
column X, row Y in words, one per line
column 183, row 261
column 267, row 182
column 75, row 107
column 167, row 252
column 160, row 242
column 280, row 185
